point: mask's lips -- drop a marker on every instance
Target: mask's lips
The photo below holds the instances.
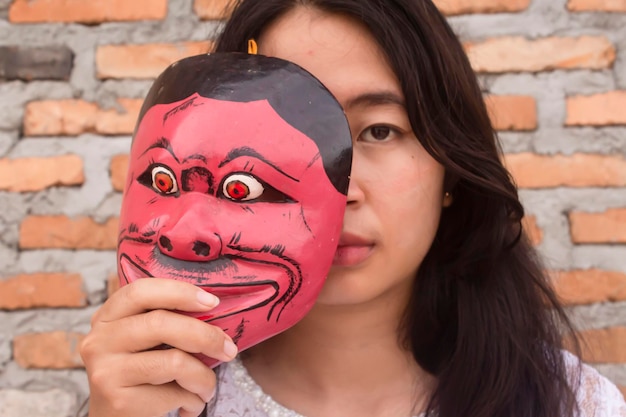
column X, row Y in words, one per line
column 234, row 298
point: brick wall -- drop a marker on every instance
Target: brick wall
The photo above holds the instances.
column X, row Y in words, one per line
column 72, row 76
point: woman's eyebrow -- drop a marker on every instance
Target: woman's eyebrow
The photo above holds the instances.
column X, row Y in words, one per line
column 375, row 98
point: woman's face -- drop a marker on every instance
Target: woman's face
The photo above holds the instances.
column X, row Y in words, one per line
column 396, row 188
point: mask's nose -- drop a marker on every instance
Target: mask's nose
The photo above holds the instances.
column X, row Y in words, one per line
column 190, row 237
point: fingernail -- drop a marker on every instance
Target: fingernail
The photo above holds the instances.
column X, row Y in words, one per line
column 230, row 349
column 207, row 299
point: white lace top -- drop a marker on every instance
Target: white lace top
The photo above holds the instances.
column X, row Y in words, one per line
column 239, row 396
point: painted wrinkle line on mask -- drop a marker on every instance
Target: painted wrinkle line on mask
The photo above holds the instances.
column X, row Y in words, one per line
column 294, row 274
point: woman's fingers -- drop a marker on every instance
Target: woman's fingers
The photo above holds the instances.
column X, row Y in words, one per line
column 154, row 293
column 160, row 367
column 148, row 384
column 154, row 328
column 126, row 378
column 146, row 401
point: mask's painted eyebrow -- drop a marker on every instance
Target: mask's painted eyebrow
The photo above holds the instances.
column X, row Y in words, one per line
column 195, row 156
column 247, row 151
column 164, row 144
column 376, row 98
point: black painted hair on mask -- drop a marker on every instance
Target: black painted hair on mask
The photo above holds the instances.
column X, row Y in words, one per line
column 299, row 99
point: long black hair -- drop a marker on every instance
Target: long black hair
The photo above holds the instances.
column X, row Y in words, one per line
column 483, row 317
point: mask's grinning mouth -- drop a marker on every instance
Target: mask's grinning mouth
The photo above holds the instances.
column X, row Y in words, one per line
column 234, row 298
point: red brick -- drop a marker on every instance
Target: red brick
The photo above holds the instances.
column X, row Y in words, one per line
column 91, row 11
column 597, row 5
column 143, row 61
column 512, row 112
column 74, row 117
column 63, row 117
column 221, row 9
column 42, row 290
column 119, row 169
column 579, row 170
column 605, row 227
column 597, row 110
column 604, row 345
column 590, row 286
column 510, row 54
column 532, row 230
column 213, row 9
column 53, row 350
column 41, row 232
column 36, row 174
column 456, row 7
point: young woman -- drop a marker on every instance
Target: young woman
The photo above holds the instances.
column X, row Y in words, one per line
column 435, row 304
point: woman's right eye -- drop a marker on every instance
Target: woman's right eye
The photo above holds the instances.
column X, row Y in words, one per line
column 378, row 133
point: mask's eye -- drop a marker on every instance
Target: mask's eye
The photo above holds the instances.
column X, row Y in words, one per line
column 160, row 178
column 241, row 187
column 163, row 180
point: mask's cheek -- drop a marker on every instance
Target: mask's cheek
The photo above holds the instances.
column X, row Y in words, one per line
column 143, row 210
column 297, row 227
column 282, row 234
column 273, row 225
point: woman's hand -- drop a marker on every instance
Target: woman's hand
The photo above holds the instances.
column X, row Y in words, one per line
column 127, row 377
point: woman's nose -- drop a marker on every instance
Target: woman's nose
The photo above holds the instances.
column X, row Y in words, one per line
column 356, row 193
column 190, row 237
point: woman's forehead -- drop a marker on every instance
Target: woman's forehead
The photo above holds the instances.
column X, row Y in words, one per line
column 338, row 50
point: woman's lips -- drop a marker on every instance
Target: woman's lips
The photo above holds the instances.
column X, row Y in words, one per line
column 352, row 250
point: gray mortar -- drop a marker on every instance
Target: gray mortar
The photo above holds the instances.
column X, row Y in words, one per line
column 49, row 403
column 94, row 266
column 47, row 319
column 8, row 139
column 566, row 141
column 551, row 207
column 598, row 315
column 96, row 153
column 4, row 10
column 5, row 348
column 8, row 259
column 14, row 207
column 15, row 94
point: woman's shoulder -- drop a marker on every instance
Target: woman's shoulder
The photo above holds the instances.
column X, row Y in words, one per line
column 595, row 394
column 238, row 395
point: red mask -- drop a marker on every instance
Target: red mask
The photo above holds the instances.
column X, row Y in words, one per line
column 223, row 192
